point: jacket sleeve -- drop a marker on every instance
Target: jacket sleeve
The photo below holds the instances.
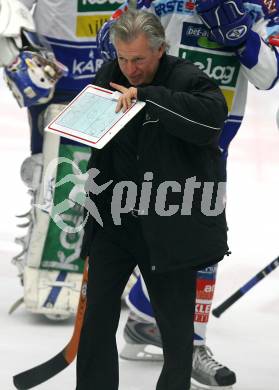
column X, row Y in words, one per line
column 260, row 60
column 195, row 114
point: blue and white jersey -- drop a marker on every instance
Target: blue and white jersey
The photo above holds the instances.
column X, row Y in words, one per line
column 257, row 63
column 70, row 27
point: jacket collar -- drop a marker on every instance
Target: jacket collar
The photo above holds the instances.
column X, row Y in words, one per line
column 164, row 69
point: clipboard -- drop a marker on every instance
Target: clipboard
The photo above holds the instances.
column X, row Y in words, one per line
column 90, row 118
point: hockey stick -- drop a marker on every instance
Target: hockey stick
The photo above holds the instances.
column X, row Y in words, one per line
column 219, row 310
column 41, row 373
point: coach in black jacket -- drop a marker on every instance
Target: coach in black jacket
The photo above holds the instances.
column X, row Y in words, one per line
column 175, row 225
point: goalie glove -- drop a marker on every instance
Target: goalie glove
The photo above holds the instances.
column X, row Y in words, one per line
column 227, row 20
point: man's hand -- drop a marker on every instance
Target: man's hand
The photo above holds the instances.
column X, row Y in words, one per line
column 227, row 20
column 126, row 99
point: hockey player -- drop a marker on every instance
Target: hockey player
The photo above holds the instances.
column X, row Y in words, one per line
column 229, row 41
column 50, row 264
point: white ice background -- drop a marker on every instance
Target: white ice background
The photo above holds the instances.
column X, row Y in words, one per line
column 245, row 337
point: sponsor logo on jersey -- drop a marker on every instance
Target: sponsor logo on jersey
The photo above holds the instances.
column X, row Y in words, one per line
column 98, row 5
column 236, row 33
column 218, row 62
column 83, row 63
column 88, row 68
column 172, row 6
column 194, row 34
column 205, row 289
column 194, row 30
column 208, row 272
column 202, row 311
column 222, row 69
column 87, row 26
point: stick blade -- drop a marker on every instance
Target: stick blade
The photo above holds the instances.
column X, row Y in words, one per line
column 41, row 373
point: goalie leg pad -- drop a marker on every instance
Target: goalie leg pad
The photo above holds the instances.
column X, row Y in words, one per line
column 53, row 293
column 53, row 264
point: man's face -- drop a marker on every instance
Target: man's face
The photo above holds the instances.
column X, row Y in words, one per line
column 137, row 61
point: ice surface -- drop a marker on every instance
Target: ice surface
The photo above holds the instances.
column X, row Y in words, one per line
column 245, row 337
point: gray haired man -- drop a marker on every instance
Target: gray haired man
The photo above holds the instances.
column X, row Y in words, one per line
column 172, row 140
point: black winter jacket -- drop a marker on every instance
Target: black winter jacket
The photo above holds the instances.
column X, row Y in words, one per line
column 178, row 139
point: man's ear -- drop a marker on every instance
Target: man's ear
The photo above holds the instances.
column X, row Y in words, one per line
column 161, row 50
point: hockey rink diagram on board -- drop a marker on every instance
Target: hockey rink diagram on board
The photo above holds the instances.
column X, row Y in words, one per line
column 91, row 118
column 90, row 114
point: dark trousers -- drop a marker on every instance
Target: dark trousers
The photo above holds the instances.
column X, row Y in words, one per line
column 114, row 255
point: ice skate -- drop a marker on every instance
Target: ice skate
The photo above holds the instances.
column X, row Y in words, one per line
column 208, row 374
column 143, row 341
